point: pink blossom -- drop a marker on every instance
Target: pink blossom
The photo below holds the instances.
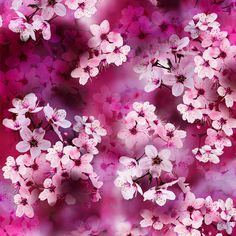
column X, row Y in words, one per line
column 205, row 66
column 143, row 113
column 217, row 138
column 86, row 69
column 228, row 94
column 128, row 187
column 170, row 134
column 213, row 38
column 208, row 154
column 40, row 24
column 86, row 144
column 33, row 141
column 159, row 196
column 179, row 79
column 24, row 201
column 49, row 8
column 80, row 166
column 95, row 129
column 85, row 8
column 55, row 154
column 211, row 211
column 100, row 34
column 133, row 134
column 156, row 162
column 132, row 166
column 224, row 122
column 151, row 219
column 28, row 104
column 190, row 110
column 20, row 25
column 117, row 52
column 191, row 214
column 14, row 169
column 18, row 123
column 177, row 44
column 51, row 190
column 57, row 118
column 183, row 230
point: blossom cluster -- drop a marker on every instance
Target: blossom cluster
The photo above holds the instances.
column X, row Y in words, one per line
column 198, row 68
column 107, row 47
column 36, row 16
column 45, row 171
column 195, row 216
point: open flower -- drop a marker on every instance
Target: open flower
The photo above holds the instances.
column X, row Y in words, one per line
column 86, row 69
column 128, row 187
column 33, row 141
column 18, row 123
column 49, row 8
column 156, row 162
column 51, row 190
column 159, row 196
column 28, row 104
column 151, row 219
column 24, row 201
column 208, row 154
column 57, row 118
column 100, row 33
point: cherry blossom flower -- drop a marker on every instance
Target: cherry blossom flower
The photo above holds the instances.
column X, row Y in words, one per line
column 170, row 134
column 190, row 110
column 57, row 118
column 213, row 38
column 18, row 123
column 228, row 94
column 55, row 154
column 86, row 69
column 205, row 66
column 217, row 138
column 20, row 25
column 117, row 52
column 224, row 122
column 227, row 215
column 94, row 129
column 133, row 134
column 131, row 165
column 86, row 144
column 39, row 24
column 155, row 161
column 100, row 34
column 85, row 8
column 151, row 219
column 128, row 187
column 51, row 190
column 179, row 79
column 191, row 215
column 177, row 44
column 143, row 113
column 28, row 104
column 226, row 53
column 33, row 141
column 211, row 211
column 49, row 8
column 153, row 79
column 24, row 201
column 159, row 196
column 206, row 21
column 183, row 230
column 14, row 169
column 80, row 166
column 207, row 154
